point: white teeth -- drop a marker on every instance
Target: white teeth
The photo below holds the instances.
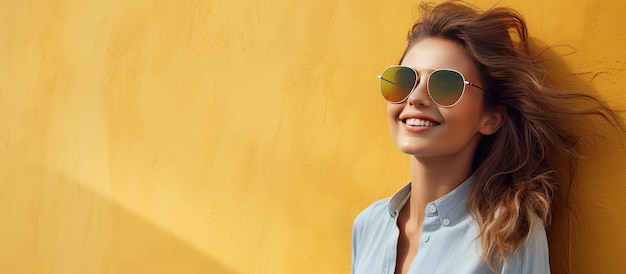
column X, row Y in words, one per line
column 420, row 122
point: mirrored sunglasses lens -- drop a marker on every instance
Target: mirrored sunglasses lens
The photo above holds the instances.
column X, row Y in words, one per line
column 397, row 82
column 445, row 87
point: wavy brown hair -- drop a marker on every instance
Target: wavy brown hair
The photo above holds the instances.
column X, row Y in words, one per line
column 515, row 168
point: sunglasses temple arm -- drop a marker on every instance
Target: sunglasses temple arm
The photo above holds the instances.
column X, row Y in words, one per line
column 472, row 84
column 381, row 78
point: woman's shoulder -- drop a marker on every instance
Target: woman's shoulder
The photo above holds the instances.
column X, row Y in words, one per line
column 373, row 212
column 385, row 209
column 371, row 229
column 532, row 256
column 537, row 237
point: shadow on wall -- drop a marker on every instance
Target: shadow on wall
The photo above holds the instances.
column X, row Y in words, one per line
column 576, row 213
column 52, row 224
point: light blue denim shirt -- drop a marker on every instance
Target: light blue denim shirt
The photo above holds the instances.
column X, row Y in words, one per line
column 448, row 242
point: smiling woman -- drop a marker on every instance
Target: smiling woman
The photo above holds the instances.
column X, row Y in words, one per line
column 484, row 132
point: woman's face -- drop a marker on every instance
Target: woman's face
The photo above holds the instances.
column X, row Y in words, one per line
column 449, row 131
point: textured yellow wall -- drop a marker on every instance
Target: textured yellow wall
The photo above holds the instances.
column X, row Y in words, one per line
column 243, row 136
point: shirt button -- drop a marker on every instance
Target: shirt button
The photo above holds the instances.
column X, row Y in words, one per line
column 432, row 209
column 426, row 238
column 446, row 222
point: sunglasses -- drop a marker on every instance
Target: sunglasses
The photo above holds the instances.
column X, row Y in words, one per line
column 445, row 86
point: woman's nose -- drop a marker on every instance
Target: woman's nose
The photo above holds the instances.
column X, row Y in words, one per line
column 419, row 96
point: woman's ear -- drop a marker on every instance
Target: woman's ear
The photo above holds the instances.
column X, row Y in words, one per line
column 492, row 120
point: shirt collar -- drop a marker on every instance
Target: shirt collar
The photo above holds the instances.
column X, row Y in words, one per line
column 451, row 206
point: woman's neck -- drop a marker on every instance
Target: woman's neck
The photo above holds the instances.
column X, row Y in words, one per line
column 433, row 178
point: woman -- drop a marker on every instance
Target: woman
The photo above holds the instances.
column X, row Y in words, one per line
column 468, row 102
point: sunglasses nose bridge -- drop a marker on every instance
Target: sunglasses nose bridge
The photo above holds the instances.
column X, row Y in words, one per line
column 419, row 95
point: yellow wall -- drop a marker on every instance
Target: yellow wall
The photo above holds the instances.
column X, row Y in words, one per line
column 242, row 136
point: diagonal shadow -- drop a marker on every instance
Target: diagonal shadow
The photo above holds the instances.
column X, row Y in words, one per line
column 52, row 224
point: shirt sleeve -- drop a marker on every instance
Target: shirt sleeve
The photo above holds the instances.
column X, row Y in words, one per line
column 368, row 223
column 533, row 256
column 357, row 231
